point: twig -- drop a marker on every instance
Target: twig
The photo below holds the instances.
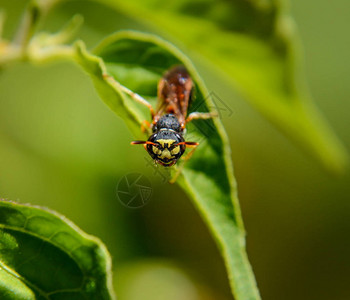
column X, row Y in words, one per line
column 2, row 22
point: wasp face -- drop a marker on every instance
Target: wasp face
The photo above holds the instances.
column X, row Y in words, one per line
column 164, row 148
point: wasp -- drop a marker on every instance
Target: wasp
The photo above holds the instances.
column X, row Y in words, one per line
column 167, row 142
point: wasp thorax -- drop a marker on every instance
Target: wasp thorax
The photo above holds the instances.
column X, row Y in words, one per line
column 165, row 147
column 168, row 121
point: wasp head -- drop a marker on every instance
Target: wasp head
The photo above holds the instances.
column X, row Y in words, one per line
column 166, row 147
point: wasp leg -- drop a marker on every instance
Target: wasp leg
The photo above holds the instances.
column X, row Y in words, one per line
column 199, row 115
column 185, row 159
column 133, row 95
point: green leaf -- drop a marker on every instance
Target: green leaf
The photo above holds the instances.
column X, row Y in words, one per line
column 253, row 44
column 138, row 61
column 44, row 256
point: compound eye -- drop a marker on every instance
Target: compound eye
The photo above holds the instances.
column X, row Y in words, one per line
column 152, row 138
column 179, row 138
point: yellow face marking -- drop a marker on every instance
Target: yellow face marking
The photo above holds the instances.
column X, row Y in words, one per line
column 166, row 154
column 164, row 141
column 176, row 150
column 156, row 150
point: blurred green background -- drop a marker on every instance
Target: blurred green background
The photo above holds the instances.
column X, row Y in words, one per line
column 61, row 147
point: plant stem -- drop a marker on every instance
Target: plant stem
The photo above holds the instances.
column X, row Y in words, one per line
column 27, row 26
column 2, row 21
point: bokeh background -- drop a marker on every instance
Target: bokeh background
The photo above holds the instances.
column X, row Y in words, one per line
column 61, row 147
